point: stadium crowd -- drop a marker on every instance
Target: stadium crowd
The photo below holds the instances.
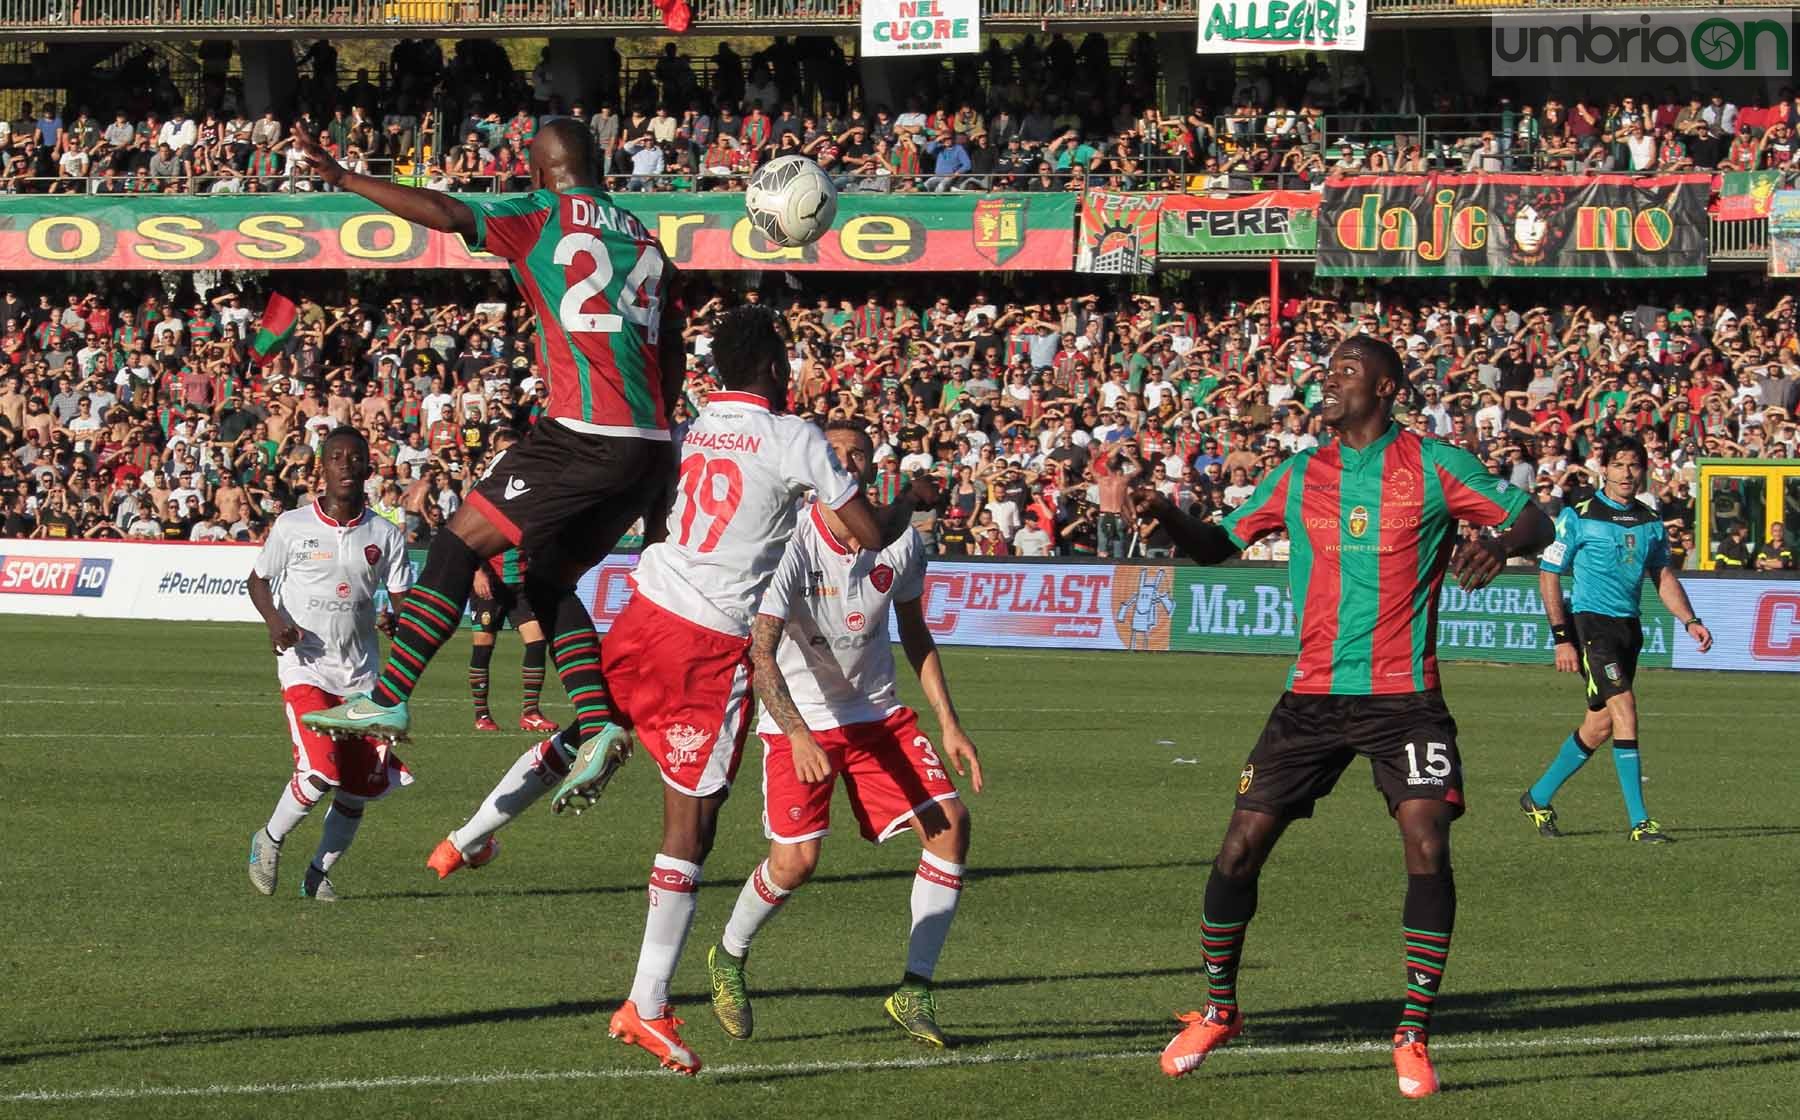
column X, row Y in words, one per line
column 1038, row 410
column 1059, row 115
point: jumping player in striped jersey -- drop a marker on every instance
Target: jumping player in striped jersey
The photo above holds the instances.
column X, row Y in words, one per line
column 600, row 287
column 1372, row 519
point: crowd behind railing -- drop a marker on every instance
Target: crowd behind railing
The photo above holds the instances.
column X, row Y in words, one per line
column 126, row 413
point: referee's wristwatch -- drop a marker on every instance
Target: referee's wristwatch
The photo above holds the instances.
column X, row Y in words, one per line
column 1690, row 622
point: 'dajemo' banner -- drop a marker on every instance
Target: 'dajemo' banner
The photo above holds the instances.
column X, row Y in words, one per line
column 1514, row 225
column 1264, row 222
column 707, row 231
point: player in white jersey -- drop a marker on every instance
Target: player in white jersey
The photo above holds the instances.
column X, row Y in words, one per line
column 678, row 658
column 315, row 583
column 824, row 670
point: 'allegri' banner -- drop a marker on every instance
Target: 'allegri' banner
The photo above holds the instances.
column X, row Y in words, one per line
column 1514, row 225
column 706, row 231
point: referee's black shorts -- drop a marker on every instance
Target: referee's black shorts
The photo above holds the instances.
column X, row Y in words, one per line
column 1609, row 655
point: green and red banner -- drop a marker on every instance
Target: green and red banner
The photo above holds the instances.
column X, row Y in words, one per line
column 1744, row 195
column 1118, row 233
column 1606, row 225
column 706, row 231
column 1264, row 222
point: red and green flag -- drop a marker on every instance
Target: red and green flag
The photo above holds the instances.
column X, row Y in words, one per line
column 279, row 319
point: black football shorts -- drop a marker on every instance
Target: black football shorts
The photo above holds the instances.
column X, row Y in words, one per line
column 1409, row 740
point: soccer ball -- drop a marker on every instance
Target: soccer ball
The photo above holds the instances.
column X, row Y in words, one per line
column 791, row 201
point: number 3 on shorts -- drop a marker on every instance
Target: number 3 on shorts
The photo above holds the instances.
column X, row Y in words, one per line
column 927, row 752
column 1437, row 760
column 640, row 298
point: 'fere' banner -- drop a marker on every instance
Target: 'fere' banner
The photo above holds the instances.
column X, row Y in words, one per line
column 897, row 27
column 1514, row 225
column 1251, row 26
column 1266, row 222
column 1118, row 233
column 706, row 231
column 1784, row 234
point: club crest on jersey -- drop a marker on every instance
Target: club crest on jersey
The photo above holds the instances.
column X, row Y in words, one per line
column 684, row 741
column 882, row 577
column 855, row 620
column 1359, row 521
column 372, row 553
column 1248, row 776
column 343, row 591
column 1402, row 484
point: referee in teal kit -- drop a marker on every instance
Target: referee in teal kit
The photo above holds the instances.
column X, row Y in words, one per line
column 1608, row 543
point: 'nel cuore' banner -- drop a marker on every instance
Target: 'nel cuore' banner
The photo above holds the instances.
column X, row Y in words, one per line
column 707, row 231
column 904, row 27
column 1514, row 225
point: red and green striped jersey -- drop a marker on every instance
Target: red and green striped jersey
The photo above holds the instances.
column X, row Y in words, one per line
column 1371, row 532
column 596, row 279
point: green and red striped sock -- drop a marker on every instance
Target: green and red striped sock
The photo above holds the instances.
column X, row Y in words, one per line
column 1225, row 917
column 1429, row 917
column 532, row 676
column 427, row 620
column 576, row 653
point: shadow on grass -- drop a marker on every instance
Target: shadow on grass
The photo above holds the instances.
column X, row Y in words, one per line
column 980, row 875
column 1562, row 1009
column 1701, row 835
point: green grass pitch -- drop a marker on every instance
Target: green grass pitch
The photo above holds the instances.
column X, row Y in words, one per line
column 1590, row 977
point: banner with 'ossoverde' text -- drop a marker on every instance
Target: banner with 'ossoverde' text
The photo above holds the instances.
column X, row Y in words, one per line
column 1501, row 224
column 708, row 231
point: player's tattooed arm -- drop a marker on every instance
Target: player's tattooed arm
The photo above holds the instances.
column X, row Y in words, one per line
column 810, row 762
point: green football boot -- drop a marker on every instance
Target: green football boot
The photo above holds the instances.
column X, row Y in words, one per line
column 730, row 994
column 916, row 1011
column 593, row 768
column 360, row 715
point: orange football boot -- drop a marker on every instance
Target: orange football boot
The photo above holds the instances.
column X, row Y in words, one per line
column 445, row 858
column 1205, row 1032
column 659, row 1036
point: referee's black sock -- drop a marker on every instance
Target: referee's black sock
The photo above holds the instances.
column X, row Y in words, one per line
column 1426, row 922
column 1229, row 906
column 430, row 614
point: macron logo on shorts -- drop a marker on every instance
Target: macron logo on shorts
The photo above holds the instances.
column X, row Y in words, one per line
column 514, row 488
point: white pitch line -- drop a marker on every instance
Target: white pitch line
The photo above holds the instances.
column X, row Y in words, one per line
column 513, row 1077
